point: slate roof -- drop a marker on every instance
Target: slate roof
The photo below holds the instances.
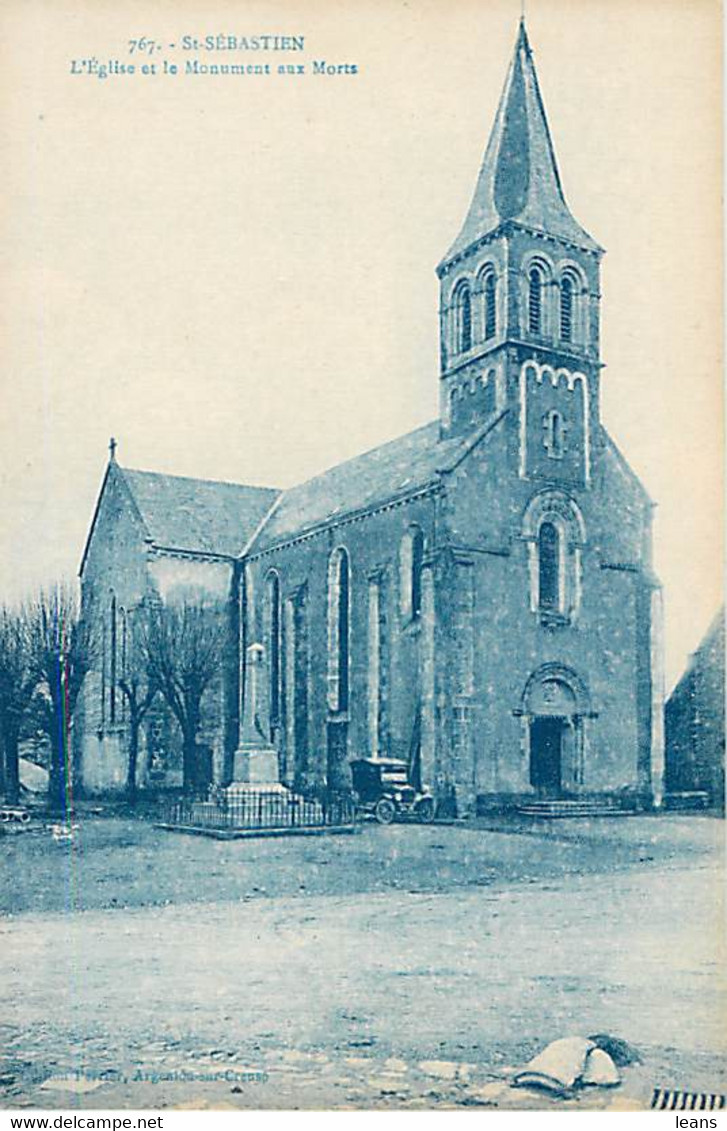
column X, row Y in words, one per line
column 199, row 515
column 228, row 519
column 519, row 178
column 205, row 516
column 392, row 471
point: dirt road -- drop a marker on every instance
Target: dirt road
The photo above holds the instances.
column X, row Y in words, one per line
column 399, row 995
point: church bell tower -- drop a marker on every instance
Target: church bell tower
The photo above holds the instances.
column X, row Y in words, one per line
column 519, row 298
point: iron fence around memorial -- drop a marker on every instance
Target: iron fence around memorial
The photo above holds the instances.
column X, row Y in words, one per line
column 260, row 811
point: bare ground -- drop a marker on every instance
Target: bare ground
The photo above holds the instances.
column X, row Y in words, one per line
column 402, row 967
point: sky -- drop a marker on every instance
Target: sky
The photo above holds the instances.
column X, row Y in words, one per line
column 234, row 276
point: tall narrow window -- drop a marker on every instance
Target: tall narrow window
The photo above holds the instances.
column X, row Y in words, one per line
column 123, row 656
column 566, row 309
column 124, row 640
column 452, row 405
column 462, row 319
column 555, row 533
column 417, row 557
column 343, row 584
column 411, row 557
column 104, row 667
column 273, row 645
column 555, row 429
column 535, row 301
column 296, row 687
column 490, row 305
column 549, row 567
column 338, row 630
column 112, row 664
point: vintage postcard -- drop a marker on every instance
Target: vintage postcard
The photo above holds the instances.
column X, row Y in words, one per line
column 361, row 626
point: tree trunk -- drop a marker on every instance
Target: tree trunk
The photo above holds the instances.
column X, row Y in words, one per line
column 134, row 727
column 76, row 765
column 189, row 762
column 59, row 799
column 12, row 768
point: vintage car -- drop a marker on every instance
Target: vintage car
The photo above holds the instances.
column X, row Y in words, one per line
column 382, row 787
column 14, row 813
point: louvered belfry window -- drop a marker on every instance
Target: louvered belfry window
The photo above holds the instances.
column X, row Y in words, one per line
column 463, row 319
column 566, row 309
column 490, row 305
column 535, row 301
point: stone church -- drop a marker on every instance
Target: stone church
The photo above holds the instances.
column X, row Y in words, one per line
column 479, row 591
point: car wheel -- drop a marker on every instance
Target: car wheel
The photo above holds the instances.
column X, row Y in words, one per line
column 385, row 811
column 425, row 810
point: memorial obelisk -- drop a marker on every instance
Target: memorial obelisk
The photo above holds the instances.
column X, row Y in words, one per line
column 256, row 759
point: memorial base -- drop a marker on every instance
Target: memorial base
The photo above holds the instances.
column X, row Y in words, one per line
column 256, row 766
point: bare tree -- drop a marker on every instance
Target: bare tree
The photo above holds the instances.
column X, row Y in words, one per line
column 17, row 684
column 62, row 646
column 184, row 646
column 138, row 684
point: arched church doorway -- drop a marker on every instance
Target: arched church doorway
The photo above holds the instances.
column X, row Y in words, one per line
column 554, row 705
column 546, row 754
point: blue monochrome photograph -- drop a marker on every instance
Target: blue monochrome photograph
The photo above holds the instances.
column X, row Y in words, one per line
column 362, row 675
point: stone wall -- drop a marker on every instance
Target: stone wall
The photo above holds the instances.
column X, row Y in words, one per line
column 122, row 567
column 384, row 664
column 602, row 645
column 695, row 722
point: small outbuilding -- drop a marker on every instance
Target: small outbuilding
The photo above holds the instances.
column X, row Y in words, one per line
column 695, row 723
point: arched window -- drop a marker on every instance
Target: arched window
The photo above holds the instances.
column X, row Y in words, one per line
column 566, row 309
column 123, row 634
column 555, row 533
column 549, row 567
column 272, row 644
column 462, row 319
column 490, row 305
column 535, row 300
column 113, row 643
column 411, row 560
column 417, row 557
column 104, row 666
column 451, row 404
column 124, row 621
column 338, row 629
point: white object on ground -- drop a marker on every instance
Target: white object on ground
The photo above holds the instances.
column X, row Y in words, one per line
column 600, row 1070
column 558, row 1066
column 63, row 833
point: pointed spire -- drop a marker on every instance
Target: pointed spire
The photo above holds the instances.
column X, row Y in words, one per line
column 519, row 178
